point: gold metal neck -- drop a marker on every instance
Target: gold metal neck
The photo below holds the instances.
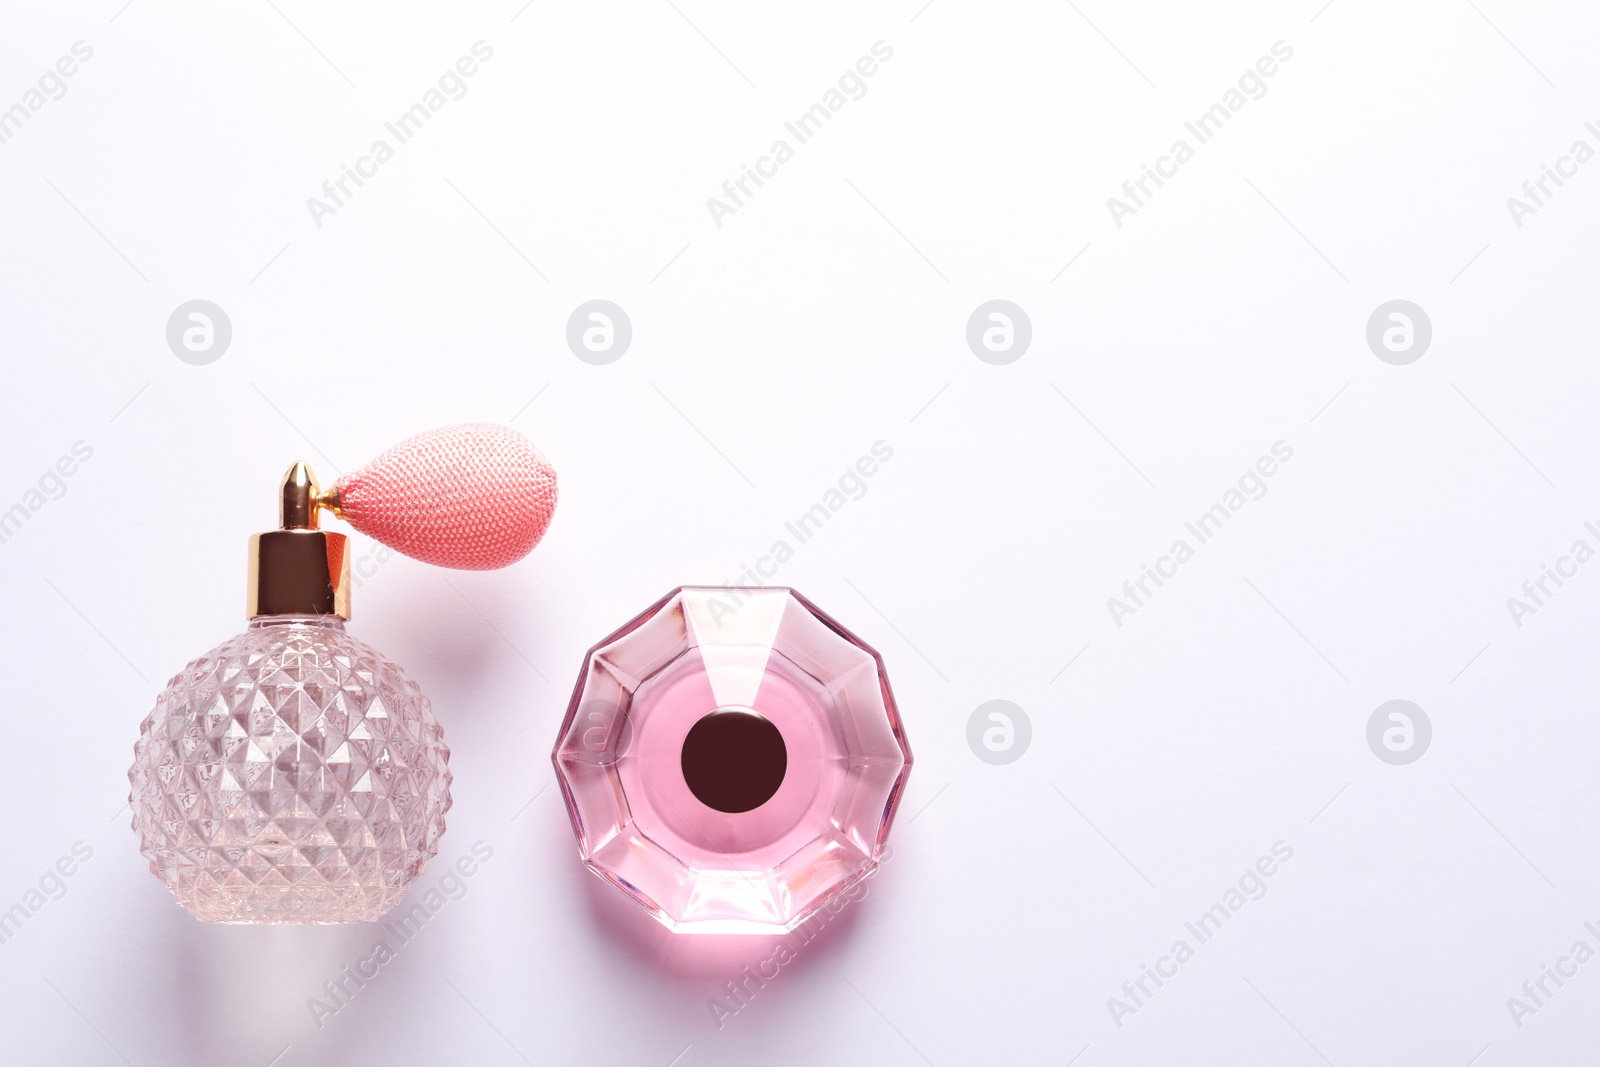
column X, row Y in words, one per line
column 299, row 569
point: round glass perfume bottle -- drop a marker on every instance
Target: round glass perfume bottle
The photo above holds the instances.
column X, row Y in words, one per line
column 732, row 760
column 292, row 774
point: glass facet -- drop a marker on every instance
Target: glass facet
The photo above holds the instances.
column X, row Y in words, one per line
column 700, row 678
column 290, row 775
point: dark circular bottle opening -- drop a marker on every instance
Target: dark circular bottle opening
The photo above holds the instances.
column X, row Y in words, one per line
column 734, row 760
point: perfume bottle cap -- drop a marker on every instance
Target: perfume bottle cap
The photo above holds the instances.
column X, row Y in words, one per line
column 299, row 569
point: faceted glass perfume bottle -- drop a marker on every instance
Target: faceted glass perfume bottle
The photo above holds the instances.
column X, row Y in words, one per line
column 732, row 759
column 291, row 774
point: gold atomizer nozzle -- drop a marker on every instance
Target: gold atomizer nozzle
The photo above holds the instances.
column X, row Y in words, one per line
column 300, row 569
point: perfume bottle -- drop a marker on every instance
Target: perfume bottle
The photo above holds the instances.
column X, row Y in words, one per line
column 294, row 774
column 732, row 759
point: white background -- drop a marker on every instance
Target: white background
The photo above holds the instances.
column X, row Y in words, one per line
column 828, row 313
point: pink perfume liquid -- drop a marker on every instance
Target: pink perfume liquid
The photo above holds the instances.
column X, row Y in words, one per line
column 732, row 759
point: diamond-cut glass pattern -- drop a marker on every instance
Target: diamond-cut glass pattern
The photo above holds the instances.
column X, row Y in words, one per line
column 290, row 775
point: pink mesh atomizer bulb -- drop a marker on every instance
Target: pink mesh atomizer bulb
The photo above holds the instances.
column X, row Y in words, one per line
column 294, row 774
column 473, row 497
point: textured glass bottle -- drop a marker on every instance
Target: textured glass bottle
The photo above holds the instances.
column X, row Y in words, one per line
column 291, row 774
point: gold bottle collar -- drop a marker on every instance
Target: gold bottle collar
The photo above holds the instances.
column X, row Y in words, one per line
column 299, row 569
